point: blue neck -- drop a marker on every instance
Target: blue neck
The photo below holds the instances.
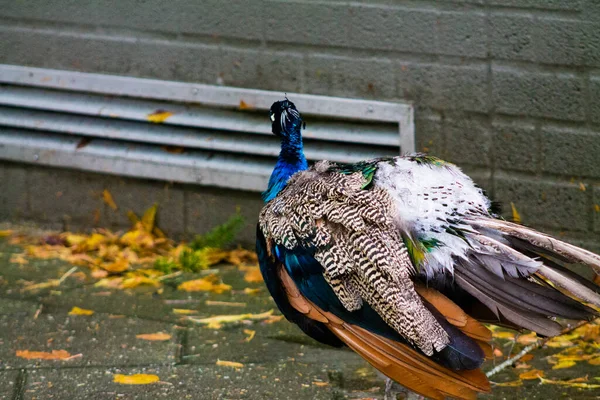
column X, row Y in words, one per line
column 291, row 160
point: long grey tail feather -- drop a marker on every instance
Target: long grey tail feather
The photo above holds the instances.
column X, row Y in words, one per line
column 514, row 315
column 498, row 274
column 541, row 241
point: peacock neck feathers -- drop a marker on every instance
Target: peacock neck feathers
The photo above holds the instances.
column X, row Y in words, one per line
column 291, row 160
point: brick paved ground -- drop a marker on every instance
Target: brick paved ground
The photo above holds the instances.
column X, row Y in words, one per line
column 279, row 362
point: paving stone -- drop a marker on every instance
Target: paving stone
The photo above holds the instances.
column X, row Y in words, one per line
column 147, row 302
column 100, row 339
column 266, row 381
column 279, row 342
column 18, row 308
column 8, row 381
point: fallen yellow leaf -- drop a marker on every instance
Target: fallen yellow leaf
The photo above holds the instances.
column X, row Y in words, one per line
column 5, row 233
column 43, row 285
column 135, row 281
column 217, row 321
column 564, row 364
column 253, row 275
column 240, row 257
column 43, row 355
column 533, row 374
column 184, row 311
column 572, row 383
column 527, row 357
column 231, row 364
column 321, row 383
column 252, row 291
column 515, row 214
column 510, row 384
column 108, row 199
column 136, row 379
column 159, row 116
column 504, row 335
column 120, row 265
column 250, row 334
column 157, row 337
column 594, row 361
column 18, row 259
column 204, row 285
column 527, row 339
column 224, row 303
column 559, row 342
column 80, row 311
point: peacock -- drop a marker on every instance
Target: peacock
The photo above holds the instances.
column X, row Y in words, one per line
column 402, row 258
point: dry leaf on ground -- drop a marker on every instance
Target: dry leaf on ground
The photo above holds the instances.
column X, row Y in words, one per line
column 158, row 337
column 231, row 364
column 80, row 311
column 253, row 275
column 136, row 379
column 250, row 334
column 184, row 311
column 509, row 384
column 533, row 374
column 217, row 321
column 43, row 355
column 209, row 284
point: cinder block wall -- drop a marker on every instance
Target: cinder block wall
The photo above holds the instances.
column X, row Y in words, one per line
column 507, row 89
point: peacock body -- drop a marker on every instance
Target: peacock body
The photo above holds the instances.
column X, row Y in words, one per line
column 401, row 258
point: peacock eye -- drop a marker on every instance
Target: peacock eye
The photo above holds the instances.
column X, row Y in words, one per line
column 272, row 117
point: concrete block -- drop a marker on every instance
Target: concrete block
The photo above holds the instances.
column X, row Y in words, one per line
column 444, row 87
column 8, row 381
column 429, row 134
column 392, row 28
column 568, row 5
column 368, row 78
column 239, row 67
column 68, row 196
column 594, row 103
column 540, row 39
column 271, row 381
column 351, row 77
column 482, row 178
column 417, row 82
column 596, row 212
column 208, row 207
column 153, row 59
column 14, row 203
column 570, row 151
column 462, row 33
column 468, row 140
column 536, row 94
column 516, row 146
column 281, row 71
column 138, row 195
column 99, row 339
column 307, row 23
column 545, row 204
column 190, row 17
column 463, row 87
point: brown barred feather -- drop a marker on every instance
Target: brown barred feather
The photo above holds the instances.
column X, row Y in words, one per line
column 358, row 245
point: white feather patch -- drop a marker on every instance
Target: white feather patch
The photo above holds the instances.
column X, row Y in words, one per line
column 427, row 198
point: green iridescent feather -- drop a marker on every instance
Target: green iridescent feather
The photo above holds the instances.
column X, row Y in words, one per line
column 367, row 168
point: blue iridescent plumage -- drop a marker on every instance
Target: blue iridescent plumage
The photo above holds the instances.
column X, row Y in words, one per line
column 291, row 159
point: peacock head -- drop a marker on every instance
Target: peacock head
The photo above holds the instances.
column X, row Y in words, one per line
column 285, row 119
